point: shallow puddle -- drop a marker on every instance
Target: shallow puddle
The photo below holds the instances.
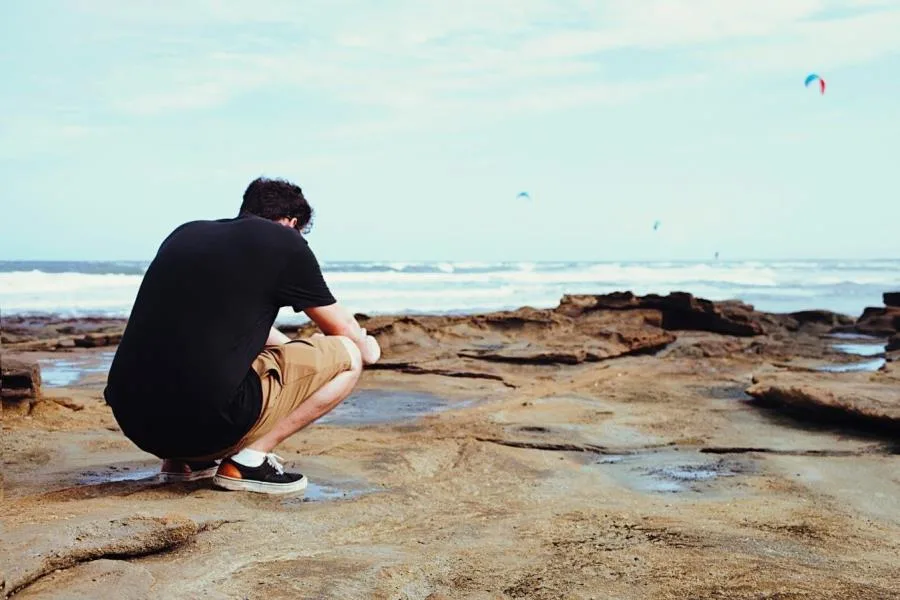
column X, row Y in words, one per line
column 115, row 475
column 367, row 407
column 857, row 349
column 860, row 349
column 669, row 472
column 319, row 492
column 60, row 372
column 314, row 492
column 363, row 407
column 729, row 392
column 866, row 365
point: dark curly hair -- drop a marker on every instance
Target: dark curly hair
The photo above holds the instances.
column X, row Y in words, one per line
column 276, row 199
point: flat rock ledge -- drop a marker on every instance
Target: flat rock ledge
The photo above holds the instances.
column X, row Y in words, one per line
column 864, row 401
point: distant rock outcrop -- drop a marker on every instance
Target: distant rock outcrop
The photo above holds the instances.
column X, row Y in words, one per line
column 56, row 333
column 878, row 321
column 678, row 311
column 583, row 328
column 893, row 343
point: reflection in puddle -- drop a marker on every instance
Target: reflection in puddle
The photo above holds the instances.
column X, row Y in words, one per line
column 860, row 349
column 867, row 365
column 691, row 473
column 363, row 407
column 100, row 477
column 316, row 492
column 366, row 407
column 669, row 472
column 60, row 372
column 857, row 350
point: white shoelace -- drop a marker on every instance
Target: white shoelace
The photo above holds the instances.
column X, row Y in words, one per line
column 275, row 461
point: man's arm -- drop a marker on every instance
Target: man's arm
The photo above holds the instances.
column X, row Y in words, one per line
column 334, row 319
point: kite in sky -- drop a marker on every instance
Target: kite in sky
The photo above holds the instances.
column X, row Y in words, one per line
column 812, row 77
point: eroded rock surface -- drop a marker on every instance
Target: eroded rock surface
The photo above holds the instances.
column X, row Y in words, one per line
column 841, row 398
column 29, row 553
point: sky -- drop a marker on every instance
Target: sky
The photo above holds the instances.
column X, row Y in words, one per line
column 412, row 126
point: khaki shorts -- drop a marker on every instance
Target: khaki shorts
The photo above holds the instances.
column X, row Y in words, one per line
column 289, row 374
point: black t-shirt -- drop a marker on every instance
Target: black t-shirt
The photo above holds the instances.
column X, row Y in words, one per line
column 181, row 383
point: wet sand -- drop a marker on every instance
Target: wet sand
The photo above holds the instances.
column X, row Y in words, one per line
column 641, row 477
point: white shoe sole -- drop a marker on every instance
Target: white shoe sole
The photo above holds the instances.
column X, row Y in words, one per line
column 261, row 487
column 194, row 476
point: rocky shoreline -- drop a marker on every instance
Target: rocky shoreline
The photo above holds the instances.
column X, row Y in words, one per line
column 581, row 329
column 24, row 333
column 614, row 446
column 676, row 311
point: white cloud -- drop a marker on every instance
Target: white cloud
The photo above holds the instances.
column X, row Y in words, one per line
column 657, row 24
column 26, row 136
column 468, row 57
column 821, row 45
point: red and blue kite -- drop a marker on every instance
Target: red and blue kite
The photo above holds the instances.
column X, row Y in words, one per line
column 813, row 77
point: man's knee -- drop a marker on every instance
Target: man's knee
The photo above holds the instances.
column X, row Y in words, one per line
column 356, row 362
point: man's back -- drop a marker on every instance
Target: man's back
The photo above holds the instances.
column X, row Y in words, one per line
column 181, row 380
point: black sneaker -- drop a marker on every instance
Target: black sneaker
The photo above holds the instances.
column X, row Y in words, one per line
column 268, row 478
column 174, row 470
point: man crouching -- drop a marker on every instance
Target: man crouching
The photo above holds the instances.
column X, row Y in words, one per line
column 201, row 378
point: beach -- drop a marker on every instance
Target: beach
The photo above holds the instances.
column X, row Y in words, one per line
column 632, row 269
column 613, row 446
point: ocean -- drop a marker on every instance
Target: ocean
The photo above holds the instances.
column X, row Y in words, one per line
column 108, row 288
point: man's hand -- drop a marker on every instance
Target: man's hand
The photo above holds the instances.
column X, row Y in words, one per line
column 336, row 320
column 371, row 351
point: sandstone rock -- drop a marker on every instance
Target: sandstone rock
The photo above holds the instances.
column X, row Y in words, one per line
column 575, row 305
column 891, row 299
column 23, row 329
column 526, row 336
column 892, row 359
column 584, row 328
column 94, row 580
column 531, row 336
column 11, row 338
column 69, row 403
column 893, row 343
column 65, row 343
column 824, row 318
column 710, row 348
column 878, row 321
column 850, row 399
column 28, row 552
column 92, row 340
column 679, row 311
column 44, row 344
column 19, row 379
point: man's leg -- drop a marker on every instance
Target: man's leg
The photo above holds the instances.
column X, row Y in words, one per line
column 301, row 381
column 319, row 404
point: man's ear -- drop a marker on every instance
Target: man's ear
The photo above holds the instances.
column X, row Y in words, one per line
column 293, row 223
